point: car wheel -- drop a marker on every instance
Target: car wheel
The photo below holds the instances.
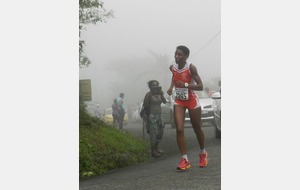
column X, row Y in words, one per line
column 217, row 131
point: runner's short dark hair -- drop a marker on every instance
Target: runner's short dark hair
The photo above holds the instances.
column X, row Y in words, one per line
column 185, row 50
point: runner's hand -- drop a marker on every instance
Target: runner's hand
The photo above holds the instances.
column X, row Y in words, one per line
column 169, row 91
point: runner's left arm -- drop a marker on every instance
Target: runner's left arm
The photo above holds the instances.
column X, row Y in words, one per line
column 199, row 85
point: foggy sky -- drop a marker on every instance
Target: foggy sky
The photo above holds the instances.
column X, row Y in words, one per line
column 158, row 26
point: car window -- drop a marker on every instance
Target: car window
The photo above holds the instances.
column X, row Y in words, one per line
column 202, row 94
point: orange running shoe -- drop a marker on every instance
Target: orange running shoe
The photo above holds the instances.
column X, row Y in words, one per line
column 203, row 159
column 183, row 165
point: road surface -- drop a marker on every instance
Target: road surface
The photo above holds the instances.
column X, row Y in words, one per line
column 161, row 173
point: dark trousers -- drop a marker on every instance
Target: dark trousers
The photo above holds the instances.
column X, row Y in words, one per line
column 115, row 119
column 121, row 119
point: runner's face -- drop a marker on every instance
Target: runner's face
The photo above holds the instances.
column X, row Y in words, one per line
column 180, row 57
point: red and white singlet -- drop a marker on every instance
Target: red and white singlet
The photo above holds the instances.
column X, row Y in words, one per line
column 184, row 97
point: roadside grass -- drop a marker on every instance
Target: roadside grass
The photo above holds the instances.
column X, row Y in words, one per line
column 103, row 148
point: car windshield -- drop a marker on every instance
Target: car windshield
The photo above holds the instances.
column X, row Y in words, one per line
column 202, row 95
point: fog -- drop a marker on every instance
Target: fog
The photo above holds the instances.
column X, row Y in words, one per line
column 139, row 44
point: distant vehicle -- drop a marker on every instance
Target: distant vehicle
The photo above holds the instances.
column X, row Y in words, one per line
column 108, row 118
column 207, row 112
column 94, row 110
column 217, row 112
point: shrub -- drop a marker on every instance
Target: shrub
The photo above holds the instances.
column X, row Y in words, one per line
column 102, row 148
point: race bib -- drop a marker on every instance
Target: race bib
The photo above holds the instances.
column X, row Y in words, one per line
column 181, row 94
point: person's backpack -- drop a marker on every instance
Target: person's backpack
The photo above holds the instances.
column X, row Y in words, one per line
column 142, row 112
column 145, row 111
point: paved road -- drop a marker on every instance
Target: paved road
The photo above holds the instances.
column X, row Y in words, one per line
column 161, row 173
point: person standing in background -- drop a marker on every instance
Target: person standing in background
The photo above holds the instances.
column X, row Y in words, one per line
column 97, row 112
column 115, row 113
column 152, row 105
column 121, row 109
column 208, row 92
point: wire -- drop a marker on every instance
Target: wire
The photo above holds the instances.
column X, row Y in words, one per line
column 207, row 43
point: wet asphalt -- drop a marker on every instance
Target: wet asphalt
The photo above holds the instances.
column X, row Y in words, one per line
column 161, row 173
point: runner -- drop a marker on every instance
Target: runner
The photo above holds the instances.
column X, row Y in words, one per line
column 185, row 79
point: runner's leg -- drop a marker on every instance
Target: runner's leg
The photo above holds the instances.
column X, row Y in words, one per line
column 179, row 112
column 195, row 116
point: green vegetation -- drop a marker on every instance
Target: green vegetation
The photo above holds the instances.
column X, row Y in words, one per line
column 90, row 12
column 102, row 148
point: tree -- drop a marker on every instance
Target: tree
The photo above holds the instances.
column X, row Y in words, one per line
column 90, row 12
